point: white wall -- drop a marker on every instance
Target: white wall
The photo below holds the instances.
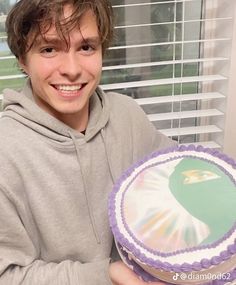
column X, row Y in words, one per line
column 230, row 122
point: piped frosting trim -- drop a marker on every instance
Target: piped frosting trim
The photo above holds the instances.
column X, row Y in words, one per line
column 155, row 262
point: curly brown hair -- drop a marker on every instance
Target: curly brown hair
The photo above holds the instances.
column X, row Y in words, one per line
column 29, row 19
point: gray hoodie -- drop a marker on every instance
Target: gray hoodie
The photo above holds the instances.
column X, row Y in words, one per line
column 54, row 187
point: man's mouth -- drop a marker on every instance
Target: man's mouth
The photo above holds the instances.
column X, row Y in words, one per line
column 69, row 88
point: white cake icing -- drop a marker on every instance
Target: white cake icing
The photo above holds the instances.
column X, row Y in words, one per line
column 154, row 226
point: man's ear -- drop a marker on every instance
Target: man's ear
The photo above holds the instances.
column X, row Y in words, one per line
column 22, row 65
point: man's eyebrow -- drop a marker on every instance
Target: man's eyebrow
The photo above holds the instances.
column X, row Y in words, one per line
column 91, row 40
column 58, row 41
column 48, row 39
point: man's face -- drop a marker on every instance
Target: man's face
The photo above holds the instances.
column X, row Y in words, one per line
column 64, row 79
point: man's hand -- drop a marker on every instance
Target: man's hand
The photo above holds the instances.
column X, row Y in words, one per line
column 120, row 274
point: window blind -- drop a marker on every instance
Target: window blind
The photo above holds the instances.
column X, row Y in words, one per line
column 172, row 57
column 169, row 56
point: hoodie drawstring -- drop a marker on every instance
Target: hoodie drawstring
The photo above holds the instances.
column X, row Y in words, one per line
column 90, row 210
column 107, row 157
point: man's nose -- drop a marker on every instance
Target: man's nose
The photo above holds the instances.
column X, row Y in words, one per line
column 70, row 65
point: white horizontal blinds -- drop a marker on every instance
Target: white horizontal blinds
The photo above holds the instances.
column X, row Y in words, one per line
column 171, row 56
column 160, row 59
column 10, row 75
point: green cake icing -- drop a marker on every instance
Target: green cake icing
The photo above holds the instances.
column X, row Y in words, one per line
column 200, row 187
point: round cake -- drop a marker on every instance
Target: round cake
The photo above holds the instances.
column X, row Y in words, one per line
column 173, row 216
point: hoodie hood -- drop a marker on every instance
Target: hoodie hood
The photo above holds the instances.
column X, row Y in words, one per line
column 21, row 106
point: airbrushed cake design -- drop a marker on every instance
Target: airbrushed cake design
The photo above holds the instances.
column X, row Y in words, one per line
column 179, row 222
column 175, row 211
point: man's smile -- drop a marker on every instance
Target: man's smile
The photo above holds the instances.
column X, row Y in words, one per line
column 65, row 87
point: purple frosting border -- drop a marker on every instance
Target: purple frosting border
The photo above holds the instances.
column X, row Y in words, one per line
column 149, row 278
column 185, row 267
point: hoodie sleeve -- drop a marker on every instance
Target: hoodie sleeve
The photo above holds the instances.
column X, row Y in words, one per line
column 148, row 138
column 145, row 137
column 19, row 263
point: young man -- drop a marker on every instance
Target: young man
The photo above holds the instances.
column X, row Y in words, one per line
column 63, row 143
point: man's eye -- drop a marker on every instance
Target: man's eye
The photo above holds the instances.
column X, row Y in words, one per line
column 87, row 48
column 48, row 50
